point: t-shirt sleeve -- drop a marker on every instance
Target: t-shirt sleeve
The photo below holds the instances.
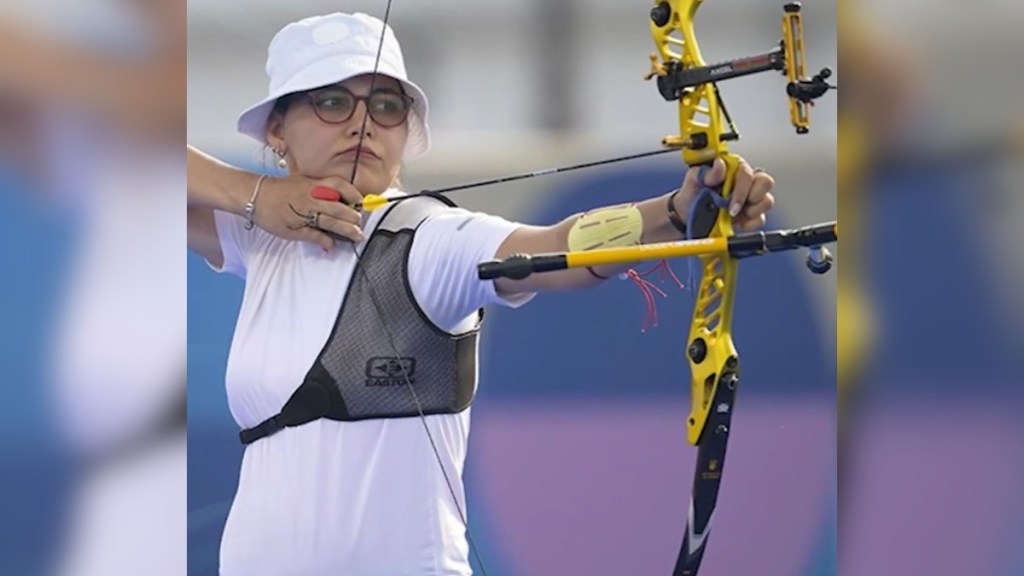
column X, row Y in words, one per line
column 443, row 265
column 235, row 243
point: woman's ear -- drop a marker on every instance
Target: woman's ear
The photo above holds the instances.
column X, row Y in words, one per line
column 275, row 132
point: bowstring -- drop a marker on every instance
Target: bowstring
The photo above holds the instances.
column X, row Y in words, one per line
column 380, row 313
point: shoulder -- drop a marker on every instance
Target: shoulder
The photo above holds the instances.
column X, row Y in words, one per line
column 445, row 218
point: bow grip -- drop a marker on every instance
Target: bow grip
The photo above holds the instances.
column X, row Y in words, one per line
column 703, row 210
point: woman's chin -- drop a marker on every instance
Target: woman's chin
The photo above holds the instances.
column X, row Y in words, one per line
column 370, row 185
column 369, row 180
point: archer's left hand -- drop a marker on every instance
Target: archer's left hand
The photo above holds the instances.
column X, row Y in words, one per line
column 751, row 194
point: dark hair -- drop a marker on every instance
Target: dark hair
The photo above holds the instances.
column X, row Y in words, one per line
column 282, row 104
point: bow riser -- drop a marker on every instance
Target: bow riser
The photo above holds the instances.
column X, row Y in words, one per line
column 710, row 345
column 703, row 137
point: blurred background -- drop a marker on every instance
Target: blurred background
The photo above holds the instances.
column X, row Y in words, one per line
column 929, row 292
column 578, row 461
column 93, row 315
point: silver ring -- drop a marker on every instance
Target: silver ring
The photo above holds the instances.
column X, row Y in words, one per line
column 758, row 170
column 313, row 219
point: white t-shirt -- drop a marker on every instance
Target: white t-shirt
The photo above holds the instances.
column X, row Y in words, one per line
column 362, row 498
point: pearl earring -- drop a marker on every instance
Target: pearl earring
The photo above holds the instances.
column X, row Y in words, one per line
column 281, row 161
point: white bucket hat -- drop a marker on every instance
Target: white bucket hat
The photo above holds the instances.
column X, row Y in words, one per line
column 324, row 50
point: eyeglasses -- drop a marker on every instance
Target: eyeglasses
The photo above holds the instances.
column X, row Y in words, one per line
column 337, row 104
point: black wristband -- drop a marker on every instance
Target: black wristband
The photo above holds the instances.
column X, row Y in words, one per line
column 673, row 216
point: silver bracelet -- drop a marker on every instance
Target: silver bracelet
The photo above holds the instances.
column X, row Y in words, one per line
column 250, row 206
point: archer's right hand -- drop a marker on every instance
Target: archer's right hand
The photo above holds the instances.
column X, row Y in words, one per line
column 289, row 207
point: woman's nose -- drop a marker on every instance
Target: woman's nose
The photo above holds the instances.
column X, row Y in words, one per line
column 360, row 119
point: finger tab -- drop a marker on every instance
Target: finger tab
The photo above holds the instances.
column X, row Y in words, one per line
column 325, row 193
